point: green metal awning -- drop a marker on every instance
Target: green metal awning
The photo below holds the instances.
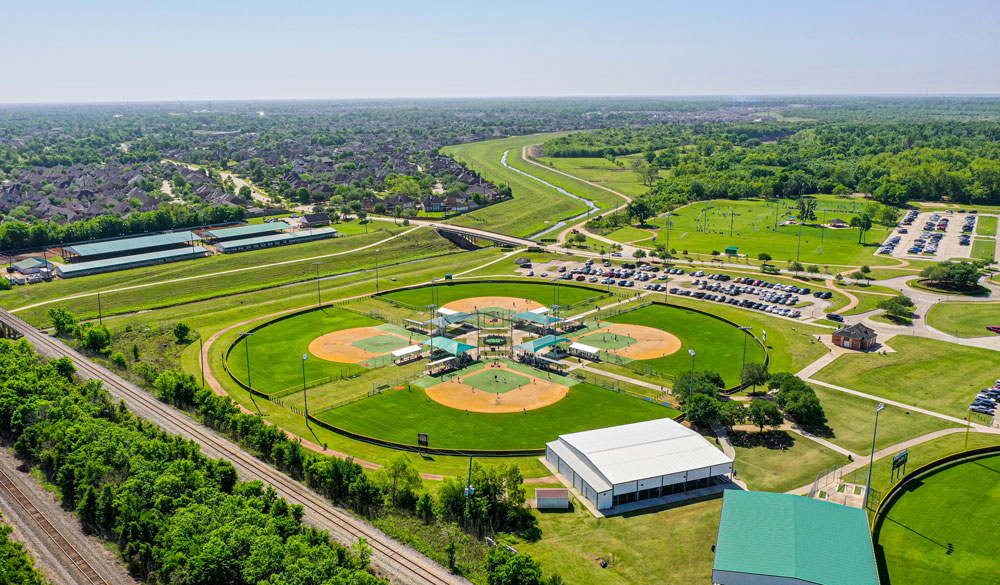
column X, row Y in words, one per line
column 445, row 320
column 448, row 345
column 537, row 318
column 536, row 345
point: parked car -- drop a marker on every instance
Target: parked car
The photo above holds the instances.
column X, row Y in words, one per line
column 835, row 317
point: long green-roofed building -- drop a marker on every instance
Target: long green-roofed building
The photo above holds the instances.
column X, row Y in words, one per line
column 244, row 231
column 128, row 246
column 782, row 539
column 126, row 262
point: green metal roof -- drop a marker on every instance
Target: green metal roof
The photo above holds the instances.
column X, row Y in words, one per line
column 448, row 345
column 445, row 320
column 536, row 345
column 247, row 230
column 795, row 537
column 302, row 235
column 131, row 244
column 124, row 262
column 537, row 318
column 30, row 263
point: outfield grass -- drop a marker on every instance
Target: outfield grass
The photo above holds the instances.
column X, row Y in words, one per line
column 964, row 319
column 983, row 248
column 717, row 344
column 753, row 232
column 399, row 415
column 544, row 293
column 769, row 469
column 931, row 374
column 986, row 225
column 574, row 542
column 851, row 419
column 943, row 529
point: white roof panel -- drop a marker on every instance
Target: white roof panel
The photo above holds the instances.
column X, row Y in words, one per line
column 584, row 348
column 644, row 449
column 406, row 350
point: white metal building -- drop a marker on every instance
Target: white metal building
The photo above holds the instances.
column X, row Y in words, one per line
column 638, row 461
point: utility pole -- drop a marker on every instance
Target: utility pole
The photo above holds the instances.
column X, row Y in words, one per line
column 376, row 269
column 469, row 490
column 691, row 390
column 201, row 360
column 319, row 298
column 305, row 395
column 246, row 346
column 100, row 313
column 746, row 333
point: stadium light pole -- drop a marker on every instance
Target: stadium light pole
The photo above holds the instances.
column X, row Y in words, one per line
column 100, row 313
column 871, row 463
column 746, row 333
column 691, row 390
column 469, row 490
column 246, row 346
column 319, row 298
column 305, row 396
column 376, row 269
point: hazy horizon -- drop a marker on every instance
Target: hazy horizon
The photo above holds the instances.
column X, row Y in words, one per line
column 118, row 52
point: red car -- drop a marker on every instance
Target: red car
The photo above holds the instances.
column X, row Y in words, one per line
column 993, row 328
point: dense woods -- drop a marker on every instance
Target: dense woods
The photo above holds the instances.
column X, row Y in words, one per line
column 894, row 161
column 16, row 567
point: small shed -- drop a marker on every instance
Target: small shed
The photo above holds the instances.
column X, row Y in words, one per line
column 838, row 223
column 32, row 266
column 315, row 220
column 551, row 498
column 732, row 251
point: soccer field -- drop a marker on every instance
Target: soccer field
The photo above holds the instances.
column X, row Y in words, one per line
column 943, row 529
column 399, row 415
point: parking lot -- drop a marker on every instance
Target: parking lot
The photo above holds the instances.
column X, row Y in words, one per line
column 747, row 292
column 985, row 402
column 931, row 234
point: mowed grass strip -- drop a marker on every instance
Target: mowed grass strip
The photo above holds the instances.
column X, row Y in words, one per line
column 986, row 225
column 399, row 415
column 964, row 319
column 931, row 374
column 546, row 294
column 718, row 345
column 770, row 469
column 943, row 529
column 984, row 248
column 851, row 419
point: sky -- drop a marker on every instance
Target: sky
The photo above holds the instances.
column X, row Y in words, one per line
column 148, row 50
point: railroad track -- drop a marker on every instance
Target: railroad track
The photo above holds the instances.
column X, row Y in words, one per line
column 61, row 543
column 393, row 558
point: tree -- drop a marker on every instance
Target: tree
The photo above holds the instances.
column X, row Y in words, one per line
column 864, row 223
column 857, row 276
column 362, row 552
column 900, row 306
column 701, row 410
column 806, row 209
column 245, row 193
column 754, row 374
column 732, row 413
column 379, row 208
column 97, row 338
column 639, row 254
column 63, row 321
column 764, row 413
column 958, row 275
column 181, row 332
column 764, row 258
column 796, row 268
column 398, row 475
column 813, row 269
column 639, row 210
column 504, row 568
column 866, row 273
column 705, row 382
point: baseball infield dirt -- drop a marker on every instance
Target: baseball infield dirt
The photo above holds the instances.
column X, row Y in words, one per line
column 336, row 346
column 538, row 393
column 650, row 343
column 510, row 303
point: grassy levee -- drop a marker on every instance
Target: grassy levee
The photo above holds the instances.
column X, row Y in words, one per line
column 964, row 319
column 603, row 198
column 161, row 292
column 927, row 373
column 602, row 171
column 851, row 419
column 532, row 204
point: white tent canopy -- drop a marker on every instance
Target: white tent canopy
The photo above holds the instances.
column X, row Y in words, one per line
column 584, row 348
column 406, row 351
column 443, row 311
column 540, row 310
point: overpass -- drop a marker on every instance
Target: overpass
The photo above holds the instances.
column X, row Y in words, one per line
column 502, row 240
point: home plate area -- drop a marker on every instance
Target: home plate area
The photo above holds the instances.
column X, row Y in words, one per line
column 497, row 389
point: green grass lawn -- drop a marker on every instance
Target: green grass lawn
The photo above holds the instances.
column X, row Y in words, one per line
column 533, row 204
column 964, row 319
column 769, row 469
column 574, row 542
column 629, row 234
column 983, row 248
column 931, row 374
column 603, row 172
column 399, row 415
column 544, row 293
column 705, row 226
column 493, row 383
column 850, row 421
column 943, row 529
column 883, row 273
column 717, row 344
column 986, row 225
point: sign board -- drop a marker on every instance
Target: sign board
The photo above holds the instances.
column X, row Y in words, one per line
column 422, row 440
column 899, row 459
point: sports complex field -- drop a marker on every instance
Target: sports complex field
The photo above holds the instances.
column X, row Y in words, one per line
column 452, row 294
column 943, row 528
